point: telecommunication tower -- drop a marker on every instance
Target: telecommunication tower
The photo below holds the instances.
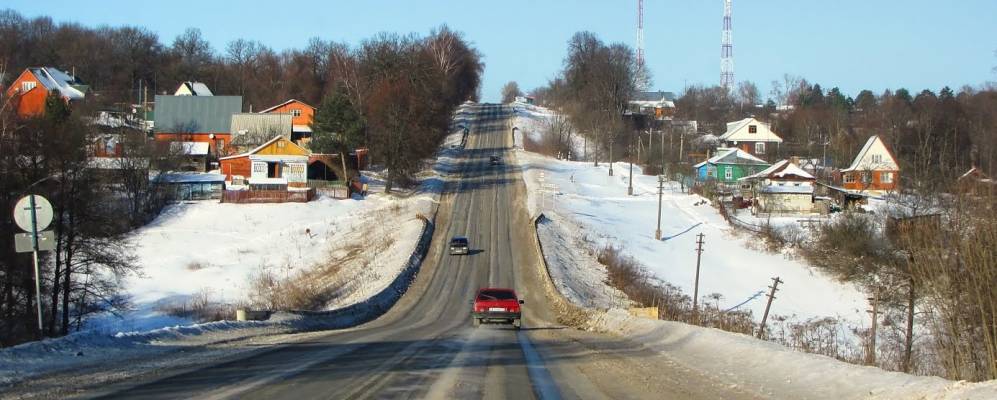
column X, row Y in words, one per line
column 727, row 50
column 640, row 33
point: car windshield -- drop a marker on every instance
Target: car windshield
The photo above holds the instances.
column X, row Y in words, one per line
column 458, row 242
column 496, row 295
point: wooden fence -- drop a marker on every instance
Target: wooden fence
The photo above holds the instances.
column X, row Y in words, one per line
column 268, row 196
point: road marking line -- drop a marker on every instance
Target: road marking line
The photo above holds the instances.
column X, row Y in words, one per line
column 543, row 383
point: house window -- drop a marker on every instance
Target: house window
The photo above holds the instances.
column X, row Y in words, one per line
column 710, row 172
column 760, row 148
column 280, row 144
column 752, row 128
column 28, row 85
column 877, row 158
column 848, row 178
column 728, row 173
column 867, row 177
column 295, row 112
column 886, row 177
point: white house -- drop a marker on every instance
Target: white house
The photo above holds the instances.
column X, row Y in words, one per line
column 752, row 136
column 783, row 188
column 190, row 88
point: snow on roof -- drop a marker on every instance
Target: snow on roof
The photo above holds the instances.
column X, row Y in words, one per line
column 733, row 156
column 301, row 128
column 864, row 160
column 784, row 189
column 739, row 130
column 189, row 177
column 54, row 79
column 781, row 170
column 190, row 148
column 284, row 104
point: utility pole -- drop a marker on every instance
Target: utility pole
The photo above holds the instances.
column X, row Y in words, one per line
column 870, row 356
column 775, row 286
column 630, row 182
column 681, row 146
column 661, row 190
column 695, row 293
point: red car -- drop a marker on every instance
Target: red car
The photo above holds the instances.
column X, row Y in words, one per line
column 496, row 305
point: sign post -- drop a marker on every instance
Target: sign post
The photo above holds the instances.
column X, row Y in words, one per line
column 33, row 213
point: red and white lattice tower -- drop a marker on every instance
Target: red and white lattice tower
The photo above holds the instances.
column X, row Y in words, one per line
column 727, row 50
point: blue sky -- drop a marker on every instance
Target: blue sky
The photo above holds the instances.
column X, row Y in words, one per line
column 853, row 44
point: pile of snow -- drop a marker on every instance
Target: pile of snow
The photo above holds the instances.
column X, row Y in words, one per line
column 777, row 371
column 733, row 264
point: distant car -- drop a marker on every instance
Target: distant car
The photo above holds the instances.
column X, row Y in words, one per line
column 459, row 245
column 496, row 305
column 495, row 159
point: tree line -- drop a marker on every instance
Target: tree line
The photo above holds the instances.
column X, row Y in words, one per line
column 393, row 94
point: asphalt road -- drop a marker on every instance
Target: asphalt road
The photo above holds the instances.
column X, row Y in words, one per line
column 426, row 346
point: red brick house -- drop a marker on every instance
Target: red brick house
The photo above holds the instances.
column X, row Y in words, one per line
column 302, row 116
column 31, row 88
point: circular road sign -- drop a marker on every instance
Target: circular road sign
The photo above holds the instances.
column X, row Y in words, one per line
column 43, row 213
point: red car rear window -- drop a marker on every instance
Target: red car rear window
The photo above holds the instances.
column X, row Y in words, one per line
column 496, row 295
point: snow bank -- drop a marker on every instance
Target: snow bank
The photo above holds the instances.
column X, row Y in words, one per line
column 776, row 370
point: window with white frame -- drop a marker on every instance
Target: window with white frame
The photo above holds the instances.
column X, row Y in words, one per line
column 848, row 178
column 886, row 177
column 295, row 112
column 877, row 158
column 28, row 85
column 760, row 148
column 728, row 173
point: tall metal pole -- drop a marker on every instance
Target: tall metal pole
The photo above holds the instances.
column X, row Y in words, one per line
column 661, row 190
column 34, row 255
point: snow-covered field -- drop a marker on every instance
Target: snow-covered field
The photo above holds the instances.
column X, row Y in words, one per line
column 733, row 264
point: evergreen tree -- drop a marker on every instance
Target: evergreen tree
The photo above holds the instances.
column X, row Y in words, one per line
column 338, row 127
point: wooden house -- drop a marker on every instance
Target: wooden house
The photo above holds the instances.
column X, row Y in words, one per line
column 976, row 183
column 874, row 170
column 728, row 166
column 206, row 119
column 302, row 116
column 250, row 130
column 32, row 87
column 783, row 188
column 751, row 136
column 278, row 164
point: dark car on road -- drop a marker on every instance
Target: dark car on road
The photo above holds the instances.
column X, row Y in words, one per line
column 497, row 305
column 459, row 245
column 495, row 159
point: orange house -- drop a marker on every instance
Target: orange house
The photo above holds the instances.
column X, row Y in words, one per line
column 302, row 116
column 276, row 164
column 873, row 170
column 34, row 84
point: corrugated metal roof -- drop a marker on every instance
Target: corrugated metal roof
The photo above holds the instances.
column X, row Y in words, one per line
column 250, row 129
column 196, row 114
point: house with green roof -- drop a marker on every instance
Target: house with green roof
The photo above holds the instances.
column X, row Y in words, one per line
column 729, row 165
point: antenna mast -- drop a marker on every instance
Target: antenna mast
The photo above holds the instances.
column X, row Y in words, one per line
column 727, row 50
column 640, row 33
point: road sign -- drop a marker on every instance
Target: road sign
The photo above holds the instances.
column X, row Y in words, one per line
column 43, row 212
column 46, row 242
